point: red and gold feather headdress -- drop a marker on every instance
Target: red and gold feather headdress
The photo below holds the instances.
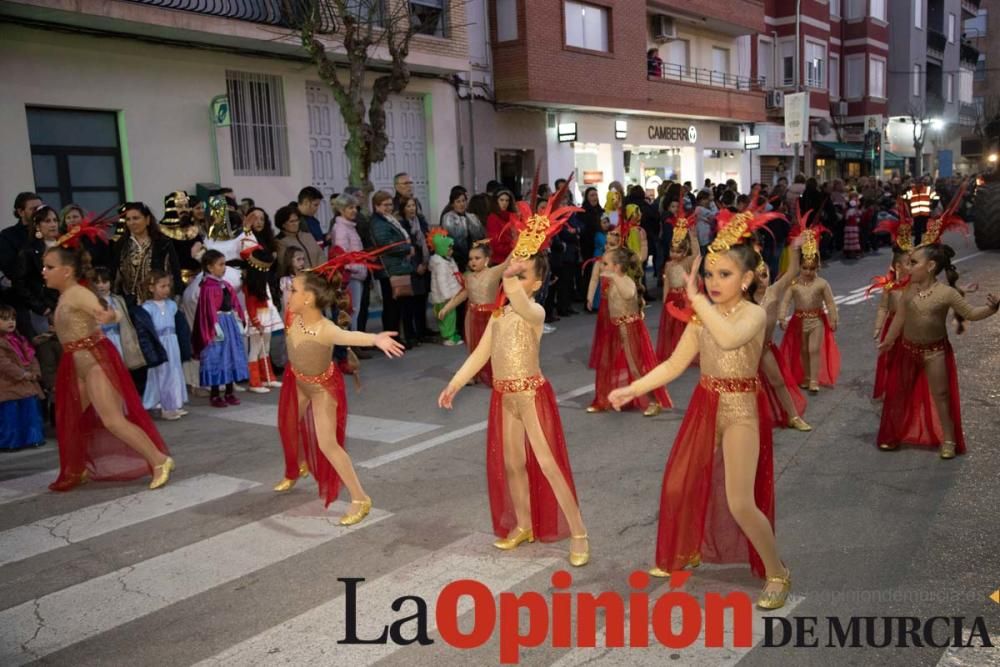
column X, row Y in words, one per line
column 339, row 260
column 901, row 229
column 736, row 228
column 682, row 222
column 94, row 227
column 810, row 233
column 947, row 220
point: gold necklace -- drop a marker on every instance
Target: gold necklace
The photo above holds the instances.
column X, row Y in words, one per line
column 308, row 332
column 733, row 309
column 923, row 294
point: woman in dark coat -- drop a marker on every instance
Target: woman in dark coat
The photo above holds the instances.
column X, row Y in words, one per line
column 397, row 261
column 138, row 251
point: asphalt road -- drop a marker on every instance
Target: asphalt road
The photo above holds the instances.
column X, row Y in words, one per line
column 218, row 568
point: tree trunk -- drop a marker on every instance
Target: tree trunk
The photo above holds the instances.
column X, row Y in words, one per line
column 918, row 159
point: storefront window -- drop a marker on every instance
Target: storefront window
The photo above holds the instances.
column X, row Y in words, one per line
column 722, row 165
column 649, row 166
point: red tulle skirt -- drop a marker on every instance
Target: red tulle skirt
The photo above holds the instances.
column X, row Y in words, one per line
column 829, row 353
column 776, row 413
column 477, row 318
column 909, row 415
column 84, row 442
column 298, row 431
column 628, row 339
column 885, row 360
column 603, row 329
column 694, row 514
column 547, row 520
column 671, row 328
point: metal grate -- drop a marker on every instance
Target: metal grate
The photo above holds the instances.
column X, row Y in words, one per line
column 259, row 132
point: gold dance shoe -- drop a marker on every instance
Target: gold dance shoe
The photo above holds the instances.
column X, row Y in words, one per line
column 947, row 449
column 579, row 559
column 813, row 387
column 653, row 410
column 593, row 409
column 695, row 561
column 356, row 517
column 799, row 424
column 771, row 600
column 161, row 473
column 512, row 542
column 303, row 469
column 658, row 572
column 888, row 446
column 285, row 485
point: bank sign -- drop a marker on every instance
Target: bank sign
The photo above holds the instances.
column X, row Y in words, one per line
column 670, row 133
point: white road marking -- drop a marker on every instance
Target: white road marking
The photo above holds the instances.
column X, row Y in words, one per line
column 36, row 628
column 88, row 522
column 312, row 637
column 27, row 486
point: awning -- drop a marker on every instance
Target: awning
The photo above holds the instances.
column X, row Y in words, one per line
column 844, row 151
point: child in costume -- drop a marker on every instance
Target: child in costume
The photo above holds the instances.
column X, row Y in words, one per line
column 633, row 235
column 264, row 318
column 312, row 408
column 121, row 332
column 20, row 393
column 529, row 479
column 628, row 352
column 482, row 284
column 852, row 230
column 785, row 400
column 165, row 386
column 447, row 284
column 922, row 405
column 603, row 327
column 682, row 243
column 218, row 332
column 717, row 500
column 103, row 431
column 809, row 347
column 891, row 285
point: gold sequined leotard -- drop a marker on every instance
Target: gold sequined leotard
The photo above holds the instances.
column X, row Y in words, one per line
column 483, row 285
column 310, row 349
column 808, row 300
column 926, row 317
column 729, row 349
column 622, row 298
column 74, row 320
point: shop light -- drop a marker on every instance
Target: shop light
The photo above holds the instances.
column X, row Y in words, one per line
column 992, row 157
column 566, row 132
column 621, row 129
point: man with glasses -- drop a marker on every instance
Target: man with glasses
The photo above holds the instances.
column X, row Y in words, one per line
column 403, row 185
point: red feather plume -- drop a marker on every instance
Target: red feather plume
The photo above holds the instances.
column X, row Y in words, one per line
column 339, row 260
column 94, row 227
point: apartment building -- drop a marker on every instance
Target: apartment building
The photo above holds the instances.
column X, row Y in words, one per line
column 636, row 91
column 113, row 100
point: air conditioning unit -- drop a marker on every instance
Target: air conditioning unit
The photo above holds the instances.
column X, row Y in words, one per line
column 664, row 28
column 775, row 99
column 840, row 108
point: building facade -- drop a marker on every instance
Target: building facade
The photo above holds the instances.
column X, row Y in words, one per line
column 620, row 90
column 113, row 100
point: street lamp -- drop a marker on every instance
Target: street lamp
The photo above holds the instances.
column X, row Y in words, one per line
column 937, row 124
column 992, row 158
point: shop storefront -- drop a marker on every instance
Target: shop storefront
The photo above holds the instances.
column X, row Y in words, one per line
column 645, row 151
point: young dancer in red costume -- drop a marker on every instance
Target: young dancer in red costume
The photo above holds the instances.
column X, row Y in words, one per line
column 891, row 285
column 628, row 353
column 312, row 408
column 717, row 500
column 103, row 431
column 922, row 405
column 602, row 328
column 809, row 347
column 530, row 482
column 682, row 243
column 482, row 284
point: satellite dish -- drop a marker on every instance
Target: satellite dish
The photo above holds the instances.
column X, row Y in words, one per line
column 823, row 125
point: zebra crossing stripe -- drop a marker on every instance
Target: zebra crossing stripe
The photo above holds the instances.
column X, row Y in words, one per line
column 312, row 637
column 38, row 627
column 83, row 524
column 20, row 488
column 696, row 654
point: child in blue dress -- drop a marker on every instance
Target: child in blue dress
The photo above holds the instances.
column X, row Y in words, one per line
column 20, row 411
column 165, row 386
column 122, row 332
column 218, row 332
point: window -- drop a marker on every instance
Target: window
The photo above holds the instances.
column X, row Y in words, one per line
column 916, row 81
column 76, row 157
column 854, row 76
column 876, row 77
column 855, row 9
column 788, row 63
column 835, row 8
column 977, row 27
column 586, row 26
column 834, row 77
column 815, row 64
column 965, row 86
column 720, row 60
column 951, row 28
column 729, row 133
column 258, row 132
column 980, row 74
column 877, row 9
column 506, row 20
column 678, row 56
column 918, row 14
column 949, row 88
column 428, row 17
column 765, row 62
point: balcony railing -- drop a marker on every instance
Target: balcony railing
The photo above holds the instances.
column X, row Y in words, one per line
column 704, row 77
column 968, row 113
column 968, row 54
column 936, row 41
column 280, row 13
column 971, row 6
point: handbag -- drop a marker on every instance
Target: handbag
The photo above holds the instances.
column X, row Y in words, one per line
column 402, row 286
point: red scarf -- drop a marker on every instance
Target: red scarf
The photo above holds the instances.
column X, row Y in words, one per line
column 22, row 348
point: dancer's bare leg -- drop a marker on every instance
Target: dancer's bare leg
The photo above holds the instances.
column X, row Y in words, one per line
column 107, row 403
column 324, row 410
column 814, row 339
column 937, row 379
column 515, row 464
column 740, row 449
column 773, row 374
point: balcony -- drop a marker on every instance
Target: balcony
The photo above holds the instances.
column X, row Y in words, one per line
column 969, row 54
column 968, row 114
column 704, row 77
column 971, row 8
column 276, row 13
column 936, row 43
